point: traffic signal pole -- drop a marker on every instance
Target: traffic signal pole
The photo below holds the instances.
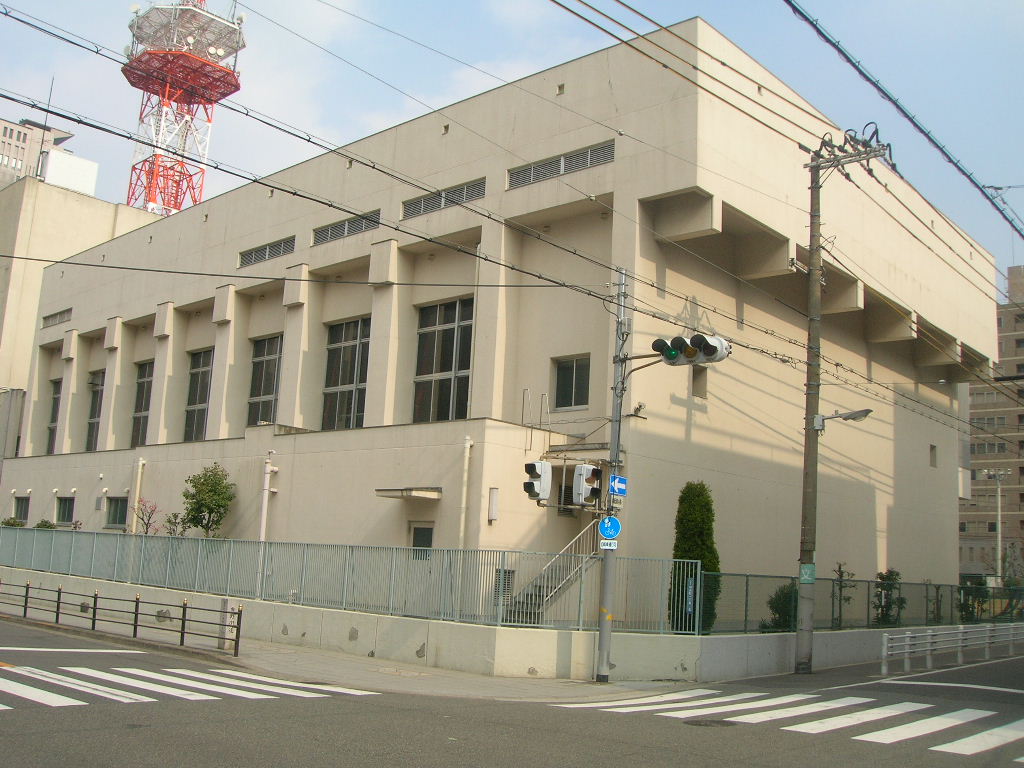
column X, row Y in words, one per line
column 605, row 616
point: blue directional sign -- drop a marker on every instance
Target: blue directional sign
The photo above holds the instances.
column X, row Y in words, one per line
column 617, row 485
column 609, row 527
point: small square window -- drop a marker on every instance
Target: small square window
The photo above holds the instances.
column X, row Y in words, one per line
column 991, row 526
column 65, row 510
column 963, row 527
column 117, row 512
column 572, row 382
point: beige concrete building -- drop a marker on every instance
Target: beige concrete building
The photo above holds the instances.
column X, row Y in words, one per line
column 36, row 150
column 997, row 447
column 404, row 352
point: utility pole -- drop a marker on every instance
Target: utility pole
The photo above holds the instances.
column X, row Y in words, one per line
column 604, row 615
column 827, row 156
column 998, row 475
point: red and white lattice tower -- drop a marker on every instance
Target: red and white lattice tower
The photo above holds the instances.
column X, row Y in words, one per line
column 183, row 58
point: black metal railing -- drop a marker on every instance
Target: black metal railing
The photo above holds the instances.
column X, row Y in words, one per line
column 182, row 619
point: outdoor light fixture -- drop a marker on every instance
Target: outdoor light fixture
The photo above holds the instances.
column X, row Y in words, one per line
column 819, row 420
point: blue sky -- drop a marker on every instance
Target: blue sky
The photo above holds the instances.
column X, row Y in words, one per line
column 956, row 66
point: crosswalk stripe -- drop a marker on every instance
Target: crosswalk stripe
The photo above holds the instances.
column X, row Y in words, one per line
column 145, row 685
column 313, row 686
column 677, row 696
column 193, row 683
column 244, row 684
column 856, row 718
column 924, row 727
column 125, row 697
column 733, row 707
column 981, row 742
column 38, row 695
column 678, row 704
column 804, row 709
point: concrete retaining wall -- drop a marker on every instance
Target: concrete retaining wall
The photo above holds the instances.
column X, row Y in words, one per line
column 485, row 650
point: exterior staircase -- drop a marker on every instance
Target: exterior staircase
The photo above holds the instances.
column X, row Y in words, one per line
column 527, row 607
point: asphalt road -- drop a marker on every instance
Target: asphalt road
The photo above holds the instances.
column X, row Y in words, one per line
column 48, row 722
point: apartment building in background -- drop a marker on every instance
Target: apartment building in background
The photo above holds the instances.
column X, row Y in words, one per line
column 37, row 150
column 397, row 351
column 997, row 453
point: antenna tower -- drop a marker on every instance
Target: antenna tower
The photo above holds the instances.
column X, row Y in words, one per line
column 183, row 58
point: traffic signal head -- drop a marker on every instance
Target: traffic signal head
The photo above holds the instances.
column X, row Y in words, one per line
column 586, row 485
column 538, row 486
column 699, row 350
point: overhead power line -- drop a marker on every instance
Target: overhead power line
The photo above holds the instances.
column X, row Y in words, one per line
column 886, row 94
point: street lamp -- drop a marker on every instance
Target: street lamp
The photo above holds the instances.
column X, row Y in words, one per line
column 998, row 475
column 819, row 420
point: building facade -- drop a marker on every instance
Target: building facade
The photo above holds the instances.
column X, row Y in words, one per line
column 28, row 148
column 391, row 349
column 997, row 445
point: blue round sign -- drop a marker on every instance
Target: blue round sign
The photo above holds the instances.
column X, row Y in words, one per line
column 609, row 527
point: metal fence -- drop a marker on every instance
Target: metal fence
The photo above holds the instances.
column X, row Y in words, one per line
column 475, row 586
column 495, row 586
column 187, row 621
column 752, row 603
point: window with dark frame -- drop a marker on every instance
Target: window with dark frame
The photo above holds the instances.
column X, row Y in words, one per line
column 117, row 511
column 143, row 391
column 348, row 352
column 266, row 366
column 92, row 425
column 65, row 510
column 21, row 508
column 51, row 427
column 198, row 402
column 443, row 359
column 572, row 382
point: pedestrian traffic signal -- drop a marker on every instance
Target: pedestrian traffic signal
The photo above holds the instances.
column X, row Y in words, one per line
column 538, row 486
column 699, row 350
column 586, row 485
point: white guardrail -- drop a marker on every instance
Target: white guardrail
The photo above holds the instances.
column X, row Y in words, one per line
column 932, row 641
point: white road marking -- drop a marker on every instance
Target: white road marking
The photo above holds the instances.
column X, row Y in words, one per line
column 677, row 696
column 856, row 718
column 193, row 683
column 677, row 705
column 38, row 695
column 313, row 686
column 256, row 686
column 924, row 727
column 64, row 650
column 699, row 712
column 955, row 685
column 143, row 684
column 805, row 709
column 85, row 686
column 984, row 741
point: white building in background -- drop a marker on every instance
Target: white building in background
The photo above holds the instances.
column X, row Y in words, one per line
column 28, row 148
column 402, row 376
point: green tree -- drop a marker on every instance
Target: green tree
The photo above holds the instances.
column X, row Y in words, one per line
column 208, row 496
column 695, row 540
column 842, row 584
column 888, row 602
column 782, row 605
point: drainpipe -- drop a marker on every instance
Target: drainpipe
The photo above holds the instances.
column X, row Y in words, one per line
column 268, row 470
column 140, row 468
column 466, row 446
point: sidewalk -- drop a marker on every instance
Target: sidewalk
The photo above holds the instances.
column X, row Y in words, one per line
column 335, row 667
